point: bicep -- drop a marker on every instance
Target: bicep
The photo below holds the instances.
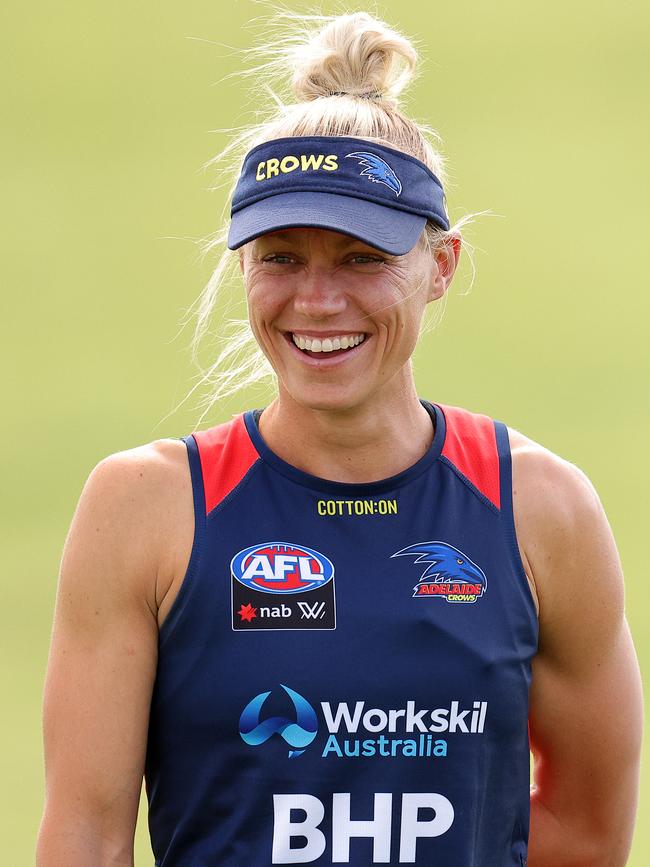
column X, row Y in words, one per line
column 102, row 662
column 585, row 700
column 585, row 731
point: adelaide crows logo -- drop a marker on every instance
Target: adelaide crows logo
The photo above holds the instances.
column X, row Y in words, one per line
column 297, row 734
column 378, row 171
column 449, row 573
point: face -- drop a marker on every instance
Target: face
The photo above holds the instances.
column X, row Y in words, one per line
column 338, row 319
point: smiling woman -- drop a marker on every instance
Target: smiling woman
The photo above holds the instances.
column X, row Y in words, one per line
column 407, row 595
column 345, row 88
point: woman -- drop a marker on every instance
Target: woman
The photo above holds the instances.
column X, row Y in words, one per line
column 325, row 631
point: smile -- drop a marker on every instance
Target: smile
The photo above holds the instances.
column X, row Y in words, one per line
column 327, row 349
column 327, row 344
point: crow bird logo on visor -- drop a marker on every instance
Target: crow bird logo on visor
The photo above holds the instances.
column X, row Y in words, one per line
column 377, row 170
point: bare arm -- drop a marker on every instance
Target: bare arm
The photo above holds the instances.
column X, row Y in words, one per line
column 102, row 666
column 586, row 699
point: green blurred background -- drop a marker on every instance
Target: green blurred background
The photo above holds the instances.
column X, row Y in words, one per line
column 109, row 112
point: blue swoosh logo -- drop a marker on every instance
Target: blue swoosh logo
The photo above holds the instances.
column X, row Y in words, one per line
column 298, row 734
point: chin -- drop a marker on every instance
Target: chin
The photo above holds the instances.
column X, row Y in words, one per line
column 328, row 398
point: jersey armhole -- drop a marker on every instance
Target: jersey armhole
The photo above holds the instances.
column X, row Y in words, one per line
column 198, row 542
column 507, row 511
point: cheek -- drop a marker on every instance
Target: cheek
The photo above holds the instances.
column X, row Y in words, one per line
column 401, row 288
column 399, row 308
column 408, row 326
column 265, row 302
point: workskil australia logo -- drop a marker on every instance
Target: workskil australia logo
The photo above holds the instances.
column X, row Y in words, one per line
column 282, row 585
column 449, row 573
column 356, row 729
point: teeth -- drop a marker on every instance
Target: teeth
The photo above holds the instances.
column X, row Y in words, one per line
column 328, row 344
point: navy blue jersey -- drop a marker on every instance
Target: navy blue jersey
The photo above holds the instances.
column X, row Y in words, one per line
column 343, row 677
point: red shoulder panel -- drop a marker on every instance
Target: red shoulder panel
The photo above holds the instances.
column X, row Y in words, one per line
column 471, row 446
column 226, row 453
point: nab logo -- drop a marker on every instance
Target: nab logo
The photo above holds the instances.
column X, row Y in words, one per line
column 281, row 567
column 298, row 734
column 269, row 581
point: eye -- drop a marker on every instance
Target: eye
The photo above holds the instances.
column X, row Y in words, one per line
column 279, row 259
column 367, row 259
column 459, row 561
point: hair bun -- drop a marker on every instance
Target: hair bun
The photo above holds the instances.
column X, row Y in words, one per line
column 353, row 55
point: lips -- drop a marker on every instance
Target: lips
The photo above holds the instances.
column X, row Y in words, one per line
column 327, row 343
column 325, row 347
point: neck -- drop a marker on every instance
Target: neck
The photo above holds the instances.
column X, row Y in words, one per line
column 367, row 443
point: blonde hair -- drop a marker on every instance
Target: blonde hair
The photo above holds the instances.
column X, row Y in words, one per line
column 348, row 72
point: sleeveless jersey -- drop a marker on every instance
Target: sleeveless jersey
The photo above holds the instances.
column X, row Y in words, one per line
column 343, row 677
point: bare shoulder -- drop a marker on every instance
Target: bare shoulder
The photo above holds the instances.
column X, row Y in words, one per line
column 145, row 469
column 541, row 473
column 146, row 502
column 556, row 509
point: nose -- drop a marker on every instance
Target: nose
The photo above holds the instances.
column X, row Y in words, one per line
column 319, row 294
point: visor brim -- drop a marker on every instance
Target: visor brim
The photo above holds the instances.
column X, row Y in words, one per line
column 387, row 229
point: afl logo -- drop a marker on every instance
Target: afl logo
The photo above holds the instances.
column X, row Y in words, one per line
column 281, row 567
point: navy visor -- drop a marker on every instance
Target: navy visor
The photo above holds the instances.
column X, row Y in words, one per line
column 380, row 195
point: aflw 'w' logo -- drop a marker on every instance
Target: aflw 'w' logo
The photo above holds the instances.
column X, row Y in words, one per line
column 312, row 612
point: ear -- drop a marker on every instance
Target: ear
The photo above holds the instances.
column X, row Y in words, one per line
column 444, row 267
column 241, row 259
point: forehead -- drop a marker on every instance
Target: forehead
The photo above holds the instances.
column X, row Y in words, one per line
column 306, row 237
